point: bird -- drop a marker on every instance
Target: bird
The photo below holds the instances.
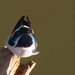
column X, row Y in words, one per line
column 22, row 40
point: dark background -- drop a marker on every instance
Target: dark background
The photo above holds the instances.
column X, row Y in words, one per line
column 54, row 24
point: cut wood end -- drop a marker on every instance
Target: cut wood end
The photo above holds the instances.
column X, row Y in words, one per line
column 25, row 69
column 31, row 65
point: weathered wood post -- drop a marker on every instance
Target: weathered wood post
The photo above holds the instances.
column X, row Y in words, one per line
column 10, row 63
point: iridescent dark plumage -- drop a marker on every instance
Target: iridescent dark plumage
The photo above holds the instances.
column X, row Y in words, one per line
column 25, row 40
column 22, row 41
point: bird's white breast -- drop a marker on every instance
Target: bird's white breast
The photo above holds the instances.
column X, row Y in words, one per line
column 21, row 51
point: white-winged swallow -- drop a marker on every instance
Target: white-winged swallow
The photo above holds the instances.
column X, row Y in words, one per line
column 22, row 40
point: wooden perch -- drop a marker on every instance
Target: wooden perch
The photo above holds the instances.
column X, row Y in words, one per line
column 10, row 63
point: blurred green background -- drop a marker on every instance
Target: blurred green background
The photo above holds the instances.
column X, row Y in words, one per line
column 54, row 24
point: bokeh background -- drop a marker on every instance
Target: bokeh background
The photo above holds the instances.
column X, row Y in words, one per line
column 54, row 24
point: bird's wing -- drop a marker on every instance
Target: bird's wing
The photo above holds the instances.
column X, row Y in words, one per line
column 24, row 41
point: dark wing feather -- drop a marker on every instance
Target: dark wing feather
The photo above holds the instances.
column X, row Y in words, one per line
column 24, row 41
column 19, row 23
